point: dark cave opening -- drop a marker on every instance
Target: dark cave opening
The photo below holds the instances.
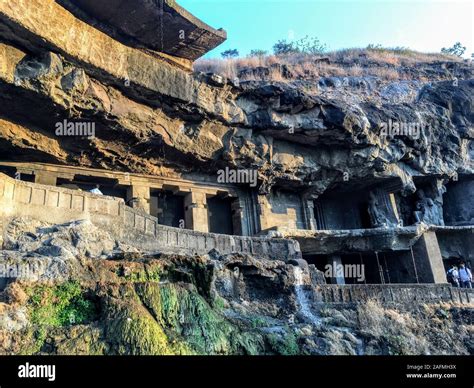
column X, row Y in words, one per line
column 220, row 215
column 168, row 207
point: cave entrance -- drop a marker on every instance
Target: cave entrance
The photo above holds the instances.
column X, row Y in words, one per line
column 367, row 267
column 369, row 207
column 341, row 211
column 458, row 207
column 356, row 268
column 168, row 207
column 12, row 173
column 220, row 215
column 107, row 186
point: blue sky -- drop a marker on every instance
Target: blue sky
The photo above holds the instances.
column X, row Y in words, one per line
column 423, row 25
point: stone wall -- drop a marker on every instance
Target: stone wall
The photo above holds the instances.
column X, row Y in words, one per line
column 282, row 211
column 457, row 243
column 58, row 205
column 458, row 208
column 394, row 293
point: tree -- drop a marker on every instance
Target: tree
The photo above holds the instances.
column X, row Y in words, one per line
column 306, row 45
column 233, row 53
column 283, row 47
column 310, row 45
column 458, row 50
column 258, row 53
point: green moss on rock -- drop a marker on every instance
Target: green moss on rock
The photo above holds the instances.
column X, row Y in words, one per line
column 53, row 306
column 286, row 345
column 188, row 317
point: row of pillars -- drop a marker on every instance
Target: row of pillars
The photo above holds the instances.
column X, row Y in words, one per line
column 139, row 196
column 195, row 205
column 195, row 209
column 424, row 261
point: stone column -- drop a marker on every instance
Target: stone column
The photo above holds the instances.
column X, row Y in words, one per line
column 196, row 214
column 393, row 203
column 336, row 263
column 138, row 197
column 308, row 207
column 238, row 218
column 428, row 259
column 264, row 213
column 46, row 178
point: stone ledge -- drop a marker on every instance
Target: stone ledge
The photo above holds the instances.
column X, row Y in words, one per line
column 184, row 35
column 43, row 25
column 126, row 224
column 392, row 293
column 365, row 240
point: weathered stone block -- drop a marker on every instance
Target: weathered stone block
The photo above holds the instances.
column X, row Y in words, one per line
column 129, row 218
column 38, row 197
column 52, row 199
column 172, row 238
column 78, row 202
column 9, row 190
column 150, row 226
column 182, row 240
column 65, row 200
column 140, row 223
column 161, row 237
column 210, row 243
column 23, row 194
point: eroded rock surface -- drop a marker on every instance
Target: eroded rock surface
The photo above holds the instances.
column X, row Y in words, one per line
column 296, row 137
column 137, row 303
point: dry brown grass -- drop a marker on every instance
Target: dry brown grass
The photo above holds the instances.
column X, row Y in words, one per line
column 385, row 73
column 429, row 329
column 379, row 62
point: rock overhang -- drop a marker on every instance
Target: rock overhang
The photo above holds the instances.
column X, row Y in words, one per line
column 158, row 25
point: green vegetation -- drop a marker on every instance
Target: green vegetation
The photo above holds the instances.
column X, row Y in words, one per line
column 132, row 330
column 457, row 50
column 307, row 45
column 286, row 345
column 59, row 306
column 257, row 322
column 148, row 274
column 188, row 319
column 218, row 303
column 55, row 306
column 230, row 54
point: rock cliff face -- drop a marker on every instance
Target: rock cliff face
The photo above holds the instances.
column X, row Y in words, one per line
column 293, row 134
column 90, row 294
column 110, row 298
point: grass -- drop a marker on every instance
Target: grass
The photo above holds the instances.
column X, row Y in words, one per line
column 385, row 63
column 286, row 345
column 59, row 306
column 56, row 306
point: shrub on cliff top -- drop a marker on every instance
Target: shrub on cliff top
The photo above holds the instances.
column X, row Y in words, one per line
column 307, row 45
column 457, row 50
column 230, row 54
